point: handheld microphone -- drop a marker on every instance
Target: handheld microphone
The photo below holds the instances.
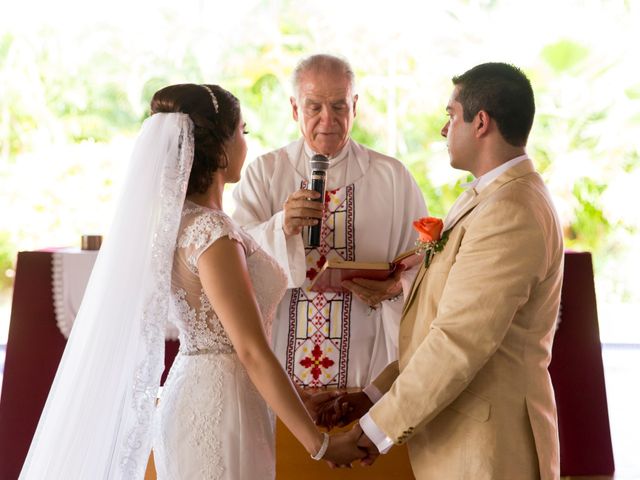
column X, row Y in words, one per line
column 319, row 167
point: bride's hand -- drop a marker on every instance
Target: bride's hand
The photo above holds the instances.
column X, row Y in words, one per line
column 343, row 449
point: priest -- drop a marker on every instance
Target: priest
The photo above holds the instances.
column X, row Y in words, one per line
column 337, row 339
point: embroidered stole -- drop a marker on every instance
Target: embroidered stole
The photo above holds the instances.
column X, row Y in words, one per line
column 319, row 323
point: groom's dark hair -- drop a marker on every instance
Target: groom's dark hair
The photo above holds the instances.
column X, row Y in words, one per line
column 504, row 92
column 215, row 113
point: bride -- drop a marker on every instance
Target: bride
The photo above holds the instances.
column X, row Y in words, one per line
column 173, row 252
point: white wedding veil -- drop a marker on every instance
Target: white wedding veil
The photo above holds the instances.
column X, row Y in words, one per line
column 96, row 423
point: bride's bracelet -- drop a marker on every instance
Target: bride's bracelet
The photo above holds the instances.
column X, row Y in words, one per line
column 323, row 447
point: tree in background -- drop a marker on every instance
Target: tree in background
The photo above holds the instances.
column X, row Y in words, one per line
column 72, row 98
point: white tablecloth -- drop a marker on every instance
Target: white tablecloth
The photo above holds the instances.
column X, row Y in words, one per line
column 70, row 268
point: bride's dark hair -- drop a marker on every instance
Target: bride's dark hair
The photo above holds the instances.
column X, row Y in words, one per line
column 212, row 128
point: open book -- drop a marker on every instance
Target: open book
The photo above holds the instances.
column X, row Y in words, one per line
column 334, row 272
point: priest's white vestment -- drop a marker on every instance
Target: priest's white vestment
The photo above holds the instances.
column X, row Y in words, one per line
column 332, row 339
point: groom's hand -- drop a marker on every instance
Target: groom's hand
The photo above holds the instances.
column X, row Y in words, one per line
column 330, row 412
column 343, row 450
column 344, row 409
column 316, row 401
column 364, row 443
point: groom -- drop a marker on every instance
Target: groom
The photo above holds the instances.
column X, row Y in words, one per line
column 470, row 393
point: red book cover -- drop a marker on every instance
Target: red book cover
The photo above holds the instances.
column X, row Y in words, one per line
column 334, row 272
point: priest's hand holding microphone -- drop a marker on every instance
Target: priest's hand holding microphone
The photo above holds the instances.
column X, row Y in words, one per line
column 304, row 207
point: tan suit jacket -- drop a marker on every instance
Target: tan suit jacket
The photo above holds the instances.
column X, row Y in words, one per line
column 470, row 393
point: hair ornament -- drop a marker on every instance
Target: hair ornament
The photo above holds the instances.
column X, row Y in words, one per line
column 214, row 100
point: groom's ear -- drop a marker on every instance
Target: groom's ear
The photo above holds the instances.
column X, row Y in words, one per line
column 482, row 123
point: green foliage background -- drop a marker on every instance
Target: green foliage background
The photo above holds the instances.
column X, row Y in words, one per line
column 70, row 102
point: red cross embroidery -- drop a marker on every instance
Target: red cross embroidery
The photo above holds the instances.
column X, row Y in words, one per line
column 317, row 362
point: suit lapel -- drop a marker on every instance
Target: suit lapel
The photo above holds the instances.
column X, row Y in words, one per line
column 462, row 213
column 523, row 168
column 414, row 286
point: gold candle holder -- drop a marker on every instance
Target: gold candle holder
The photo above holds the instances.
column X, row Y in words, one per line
column 91, row 242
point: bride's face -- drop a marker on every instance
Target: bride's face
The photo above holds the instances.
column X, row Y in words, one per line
column 236, row 150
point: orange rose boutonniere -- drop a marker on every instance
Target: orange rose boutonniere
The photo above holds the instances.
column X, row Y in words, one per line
column 430, row 240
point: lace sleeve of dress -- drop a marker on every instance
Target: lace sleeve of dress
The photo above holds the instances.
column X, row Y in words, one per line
column 205, row 228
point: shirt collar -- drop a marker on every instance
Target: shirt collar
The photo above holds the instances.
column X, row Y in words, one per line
column 341, row 155
column 483, row 181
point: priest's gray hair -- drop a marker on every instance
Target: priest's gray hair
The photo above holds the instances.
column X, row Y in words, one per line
column 322, row 62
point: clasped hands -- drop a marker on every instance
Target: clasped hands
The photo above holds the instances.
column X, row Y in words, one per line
column 331, row 409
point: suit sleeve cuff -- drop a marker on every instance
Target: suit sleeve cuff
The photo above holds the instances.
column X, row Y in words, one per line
column 372, row 392
column 377, row 436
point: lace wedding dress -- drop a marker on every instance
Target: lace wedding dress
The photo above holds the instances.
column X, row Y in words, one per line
column 211, row 421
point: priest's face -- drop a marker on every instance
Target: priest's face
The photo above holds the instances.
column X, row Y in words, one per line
column 325, row 109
